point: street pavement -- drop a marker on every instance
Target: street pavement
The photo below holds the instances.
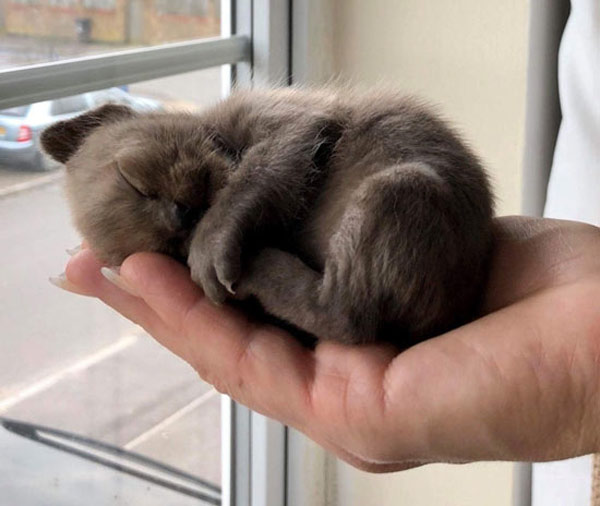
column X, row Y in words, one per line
column 12, row 181
column 70, row 362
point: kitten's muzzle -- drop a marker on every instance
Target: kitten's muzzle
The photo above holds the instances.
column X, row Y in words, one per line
column 184, row 215
column 179, row 221
column 180, row 218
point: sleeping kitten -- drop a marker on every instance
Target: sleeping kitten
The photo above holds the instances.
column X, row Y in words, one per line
column 354, row 217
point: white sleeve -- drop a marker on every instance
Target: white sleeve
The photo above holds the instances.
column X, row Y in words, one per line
column 574, row 193
column 574, row 187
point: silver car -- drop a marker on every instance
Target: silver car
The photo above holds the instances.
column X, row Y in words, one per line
column 20, row 127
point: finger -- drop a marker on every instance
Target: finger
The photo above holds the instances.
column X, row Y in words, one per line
column 166, row 287
column 277, row 370
column 534, row 253
column 514, row 385
column 348, row 383
column 83, row 272
column 334, row 447
column 260, row 366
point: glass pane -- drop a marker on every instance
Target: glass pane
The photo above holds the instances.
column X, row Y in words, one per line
column 15, row 111
column 36, row 31
column 68, row 105
column 72, row 364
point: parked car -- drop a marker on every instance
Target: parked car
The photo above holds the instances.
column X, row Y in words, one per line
column 20, row 127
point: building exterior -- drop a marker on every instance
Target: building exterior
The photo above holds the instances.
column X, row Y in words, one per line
column 118, row 21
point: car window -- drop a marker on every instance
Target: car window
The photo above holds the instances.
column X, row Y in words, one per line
column 68, row 105
column 16, row 111
column 115, row 95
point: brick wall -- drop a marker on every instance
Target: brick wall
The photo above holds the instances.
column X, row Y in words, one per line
column 56, row 18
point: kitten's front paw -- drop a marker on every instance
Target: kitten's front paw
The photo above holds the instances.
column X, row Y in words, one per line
column 214, row 261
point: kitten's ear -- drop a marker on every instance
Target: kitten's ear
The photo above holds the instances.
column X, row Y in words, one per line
column 63, row 138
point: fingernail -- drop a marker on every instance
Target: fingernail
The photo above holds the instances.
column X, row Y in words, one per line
column 62, row 282
column 114, row 276
column 73, row 251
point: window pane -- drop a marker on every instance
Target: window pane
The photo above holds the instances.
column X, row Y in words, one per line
column 70, row 363
column 68, row 105
column 35, row 31
column 15, row 111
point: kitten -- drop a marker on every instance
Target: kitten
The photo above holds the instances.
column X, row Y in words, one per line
column 354, row 217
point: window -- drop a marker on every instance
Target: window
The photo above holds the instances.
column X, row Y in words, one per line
column 70, row 365
column 16, row 111
column 183, row 7
column 100, row 4
column 68, row 105
column 62, row 3
column 37, row 32
column 76, row 378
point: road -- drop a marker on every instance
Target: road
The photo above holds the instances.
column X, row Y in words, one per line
column 69, row 362
column 72, row 363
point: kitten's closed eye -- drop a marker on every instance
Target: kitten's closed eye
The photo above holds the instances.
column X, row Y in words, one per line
column 225, row 147
column 133, row 186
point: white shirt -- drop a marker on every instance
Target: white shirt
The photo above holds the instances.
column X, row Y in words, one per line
column 574, row 188
column 574, row 194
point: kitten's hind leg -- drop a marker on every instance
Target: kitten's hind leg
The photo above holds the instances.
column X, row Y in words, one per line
column 288, row 289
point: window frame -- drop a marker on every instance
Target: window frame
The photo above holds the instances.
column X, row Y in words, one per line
column 254, row 458
column 254, row 49
column 47, row 81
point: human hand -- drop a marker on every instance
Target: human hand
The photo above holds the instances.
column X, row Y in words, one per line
column 520, row 383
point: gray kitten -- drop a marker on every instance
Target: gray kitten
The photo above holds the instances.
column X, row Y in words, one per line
column 354, row 217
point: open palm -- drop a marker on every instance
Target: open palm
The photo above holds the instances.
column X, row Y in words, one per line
column 520, row 383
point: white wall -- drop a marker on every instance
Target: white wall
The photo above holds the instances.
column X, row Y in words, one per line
column 486, row 484
column 470, row 57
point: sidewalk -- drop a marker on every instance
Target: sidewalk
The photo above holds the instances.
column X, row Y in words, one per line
column 14, row 181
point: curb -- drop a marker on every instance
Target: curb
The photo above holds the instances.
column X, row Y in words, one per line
column 29, row 185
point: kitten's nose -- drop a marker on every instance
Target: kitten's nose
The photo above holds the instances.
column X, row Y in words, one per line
column 182, row 216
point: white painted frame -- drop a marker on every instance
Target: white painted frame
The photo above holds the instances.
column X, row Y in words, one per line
column 308, row 465
column 542, row 108
column 254, row 455
column 256, row 39
column 542, row 120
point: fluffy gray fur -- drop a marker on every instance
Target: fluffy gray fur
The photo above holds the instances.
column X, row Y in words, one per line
column 352, row 216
